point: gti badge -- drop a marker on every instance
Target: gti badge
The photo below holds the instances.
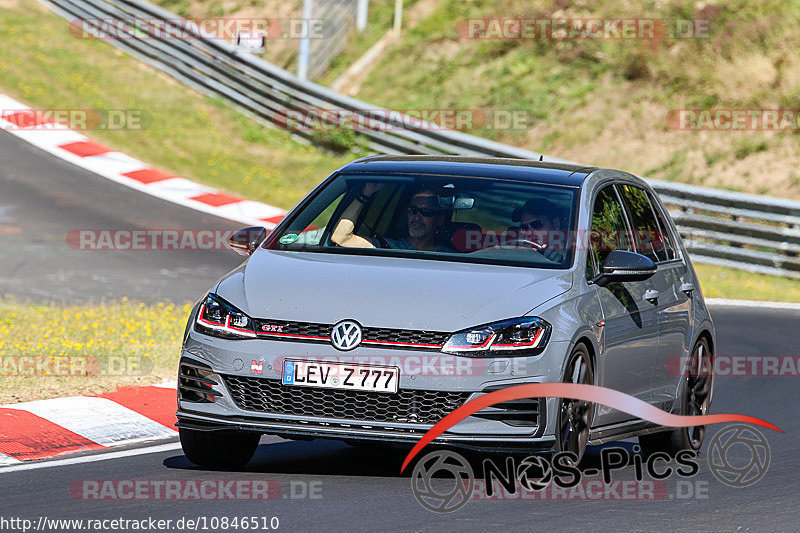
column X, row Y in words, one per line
column 346, row 335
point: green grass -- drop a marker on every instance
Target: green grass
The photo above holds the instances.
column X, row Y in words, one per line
column 721, row 282
column 672, row 169
column 749, row 146
column 188, row 134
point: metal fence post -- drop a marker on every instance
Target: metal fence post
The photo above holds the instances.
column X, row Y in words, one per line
column 398, row 17
column 305, row 42
column 361, row 15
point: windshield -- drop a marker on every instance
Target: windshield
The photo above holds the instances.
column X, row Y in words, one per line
column 446, row 218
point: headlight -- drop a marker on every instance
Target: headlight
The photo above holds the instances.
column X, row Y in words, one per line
column 218, row 318
column 515, row 337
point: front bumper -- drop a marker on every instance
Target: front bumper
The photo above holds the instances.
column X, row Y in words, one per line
column 491, row 428
column 300, row 430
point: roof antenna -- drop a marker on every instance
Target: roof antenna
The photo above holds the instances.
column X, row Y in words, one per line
column 541, row 157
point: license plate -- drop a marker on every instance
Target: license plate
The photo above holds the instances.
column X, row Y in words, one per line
column 344, row 376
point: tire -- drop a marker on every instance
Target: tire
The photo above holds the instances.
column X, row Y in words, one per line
column 218, row 449
column 574, row 417
column 696, row 389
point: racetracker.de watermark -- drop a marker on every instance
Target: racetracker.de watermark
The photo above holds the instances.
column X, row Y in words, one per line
column 462, row 240
column 193, row 490
column 505, row 28
column 437, row 365
column 153, row 239
column 75, row 119
column 195, row 29
column 734, row 119
column 214, row 522
column 315, row 119
column 73, row 365
column 735, row 366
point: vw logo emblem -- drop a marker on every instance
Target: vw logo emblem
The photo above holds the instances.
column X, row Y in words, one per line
column 346, row 335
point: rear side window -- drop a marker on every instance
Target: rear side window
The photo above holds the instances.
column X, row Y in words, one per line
column 669, row 238
column 649, row 238
column 609, row 230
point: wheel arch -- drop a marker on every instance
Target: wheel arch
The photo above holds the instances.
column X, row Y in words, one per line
column 588, row 338
column 705, row 333
column 589, row 348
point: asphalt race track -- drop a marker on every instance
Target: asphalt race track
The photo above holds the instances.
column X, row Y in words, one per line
column 43, row 199
column 354, row 489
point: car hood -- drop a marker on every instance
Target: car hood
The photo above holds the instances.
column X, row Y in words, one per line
column 386, row 292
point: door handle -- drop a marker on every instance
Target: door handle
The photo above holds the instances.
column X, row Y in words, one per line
column 651, row 295
column 687, row 288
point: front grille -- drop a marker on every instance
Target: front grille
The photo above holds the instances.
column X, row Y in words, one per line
column 308, row 329
column 412, row 406
column 406, row 336
column 383, row 337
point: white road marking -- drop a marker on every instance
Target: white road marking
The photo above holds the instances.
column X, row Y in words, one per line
column 112, row 165
column 726, row 302
column 49, row 140
column 6, row 460
column 92, row 458
column 249, row 209
column 98, row 419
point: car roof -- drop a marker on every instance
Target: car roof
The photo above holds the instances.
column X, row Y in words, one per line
column 471, row 166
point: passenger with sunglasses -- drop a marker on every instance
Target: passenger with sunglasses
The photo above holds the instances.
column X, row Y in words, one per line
column 539, row 222
column 424, row 214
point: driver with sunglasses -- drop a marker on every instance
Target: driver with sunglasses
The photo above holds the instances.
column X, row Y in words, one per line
column 539, row 221
column 424, row 214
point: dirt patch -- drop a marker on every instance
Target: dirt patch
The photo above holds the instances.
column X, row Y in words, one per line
column 10, row 4
column 621, row 128
column 19, row 389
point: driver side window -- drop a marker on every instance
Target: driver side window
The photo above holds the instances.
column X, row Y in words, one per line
column 609, row 229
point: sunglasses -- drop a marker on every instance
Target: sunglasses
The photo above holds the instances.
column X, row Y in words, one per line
column 424, row 211
column 534, row 225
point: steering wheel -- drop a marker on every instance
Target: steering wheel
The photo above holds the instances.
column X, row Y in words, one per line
column 381, row 241
column 520, row 242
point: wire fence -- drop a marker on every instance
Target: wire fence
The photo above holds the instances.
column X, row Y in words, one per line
column 338, row 22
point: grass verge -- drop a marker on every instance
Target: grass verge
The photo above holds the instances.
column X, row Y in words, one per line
column 53, row 350
column 721, row 282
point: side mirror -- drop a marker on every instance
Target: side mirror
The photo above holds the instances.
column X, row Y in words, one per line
column 621, row 265
column 245, row 241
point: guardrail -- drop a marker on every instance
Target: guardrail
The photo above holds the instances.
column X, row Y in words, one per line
column 744, row 231
column 748, row 232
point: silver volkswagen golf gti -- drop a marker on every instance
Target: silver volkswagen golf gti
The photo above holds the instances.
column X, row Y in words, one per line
column 402, row 287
